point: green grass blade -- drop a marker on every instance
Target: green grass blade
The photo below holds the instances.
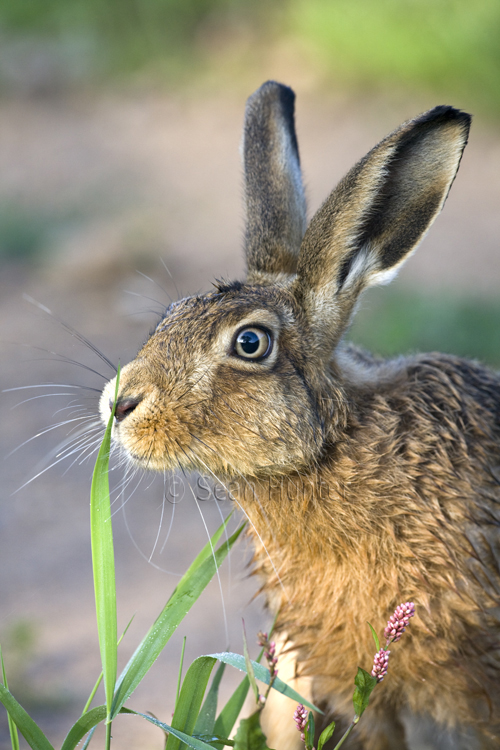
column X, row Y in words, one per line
column 229, row 714
column 184, row 596
column 262, row 674
column 194, row 742
column 206, row 719
column 179, row 676
column 94, row 717
column 248, row 667
column 14, row 737
column 84, row 724
column 190, row 699
column 206, row 552
column 89, row 739
column 28, row 728
column 103, row 562
column 99, row 679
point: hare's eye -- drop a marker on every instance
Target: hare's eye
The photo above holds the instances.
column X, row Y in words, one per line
column 253, row 343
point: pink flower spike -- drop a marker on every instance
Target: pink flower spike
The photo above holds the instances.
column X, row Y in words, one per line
column 396, row 625
column 300, row 717
column 380, row 664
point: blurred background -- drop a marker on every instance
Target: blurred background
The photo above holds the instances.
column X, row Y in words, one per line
column 120, row 188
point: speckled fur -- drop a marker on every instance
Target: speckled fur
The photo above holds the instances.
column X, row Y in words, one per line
column 367, row 482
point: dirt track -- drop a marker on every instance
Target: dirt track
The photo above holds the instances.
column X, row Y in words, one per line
column 150, row 176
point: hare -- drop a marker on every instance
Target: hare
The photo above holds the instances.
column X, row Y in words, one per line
column 366, row 482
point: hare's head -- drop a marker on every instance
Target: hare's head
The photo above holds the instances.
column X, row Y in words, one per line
column 244, row 379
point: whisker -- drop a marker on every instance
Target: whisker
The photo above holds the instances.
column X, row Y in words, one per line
column 68, row 442
column 79, row 444
column 171, row 517
column 51, row 385
column 40, row 395
column 217, row 570
column 145, row 296
column 132, row 539
column 159, row 528
column 72, row 331
column 39, row 474
column 61, row 358
column 126, row 483
column 44, row 432
column 90, row 449
column 252, row 524
column 153, row 281
column 172, row 278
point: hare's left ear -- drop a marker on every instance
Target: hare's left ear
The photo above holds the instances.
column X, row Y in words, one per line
column 275, row 203
column 376, row 217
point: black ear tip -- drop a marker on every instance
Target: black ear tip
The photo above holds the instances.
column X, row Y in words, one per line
column 274, row 91
column 272, row 102
column 444, row 114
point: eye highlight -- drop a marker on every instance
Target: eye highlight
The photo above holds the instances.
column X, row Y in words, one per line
column 253, row 343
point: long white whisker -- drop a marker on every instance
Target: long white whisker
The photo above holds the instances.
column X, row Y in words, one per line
column 71, row 330
column 39, row 474
column 44, row 432
column 171, row 517
column 243, row 478
column 173, row 280
column 145, row 557
column 159, row 528
column 252, row 524
column 40, row 395
column 85, row 451
column 50, row 385
column 144, row 296
column 86, row 430
column 124, row 502
column 226, row 627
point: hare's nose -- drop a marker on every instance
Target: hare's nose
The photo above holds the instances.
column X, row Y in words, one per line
column 124, row 407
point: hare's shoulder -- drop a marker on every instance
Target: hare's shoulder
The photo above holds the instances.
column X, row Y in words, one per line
column 442, row 379
column 433, row 410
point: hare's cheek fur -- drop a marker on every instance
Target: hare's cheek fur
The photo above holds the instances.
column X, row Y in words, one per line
column 199, row 406
column 229, row 423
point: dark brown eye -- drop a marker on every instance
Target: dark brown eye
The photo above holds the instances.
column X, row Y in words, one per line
column 253, row 343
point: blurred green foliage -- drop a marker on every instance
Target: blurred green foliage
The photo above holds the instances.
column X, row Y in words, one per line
column 126, row 35
column 27, row 232
column 450, row 46
column 393, row 321
column 23, row 235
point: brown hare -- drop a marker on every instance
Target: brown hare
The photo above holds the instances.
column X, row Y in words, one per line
column 366, row 482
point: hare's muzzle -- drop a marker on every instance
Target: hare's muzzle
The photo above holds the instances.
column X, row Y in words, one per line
column 124, row 407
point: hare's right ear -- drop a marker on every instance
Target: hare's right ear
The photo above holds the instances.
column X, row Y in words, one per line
column 275, row 203
column 376, row 217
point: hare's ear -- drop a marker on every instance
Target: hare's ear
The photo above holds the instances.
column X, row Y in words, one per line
column 376, row 217
column 275, row 203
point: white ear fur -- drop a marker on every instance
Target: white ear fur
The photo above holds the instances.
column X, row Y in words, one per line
column 364, row 269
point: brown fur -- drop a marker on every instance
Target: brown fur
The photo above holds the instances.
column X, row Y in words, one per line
column 367, row 482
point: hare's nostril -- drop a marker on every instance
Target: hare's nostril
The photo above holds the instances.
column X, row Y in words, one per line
column 124, row 407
